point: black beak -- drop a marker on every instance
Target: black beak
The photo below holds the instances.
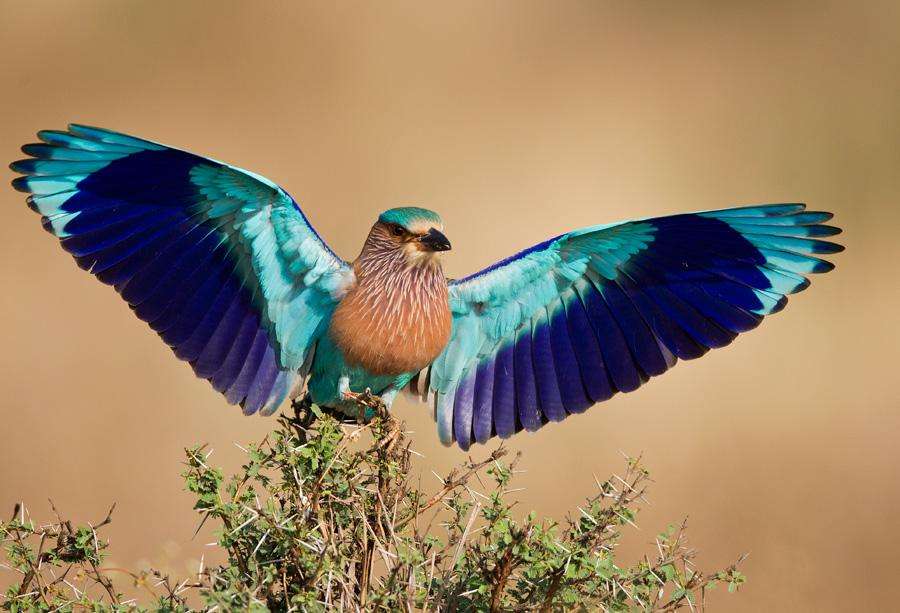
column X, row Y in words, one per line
column 435, row 240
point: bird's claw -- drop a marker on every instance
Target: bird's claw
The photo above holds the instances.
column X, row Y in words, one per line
column 368, row 400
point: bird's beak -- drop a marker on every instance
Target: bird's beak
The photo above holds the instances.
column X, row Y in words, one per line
column 435, row 241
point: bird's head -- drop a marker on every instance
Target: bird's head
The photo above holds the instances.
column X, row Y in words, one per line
column 416, row 233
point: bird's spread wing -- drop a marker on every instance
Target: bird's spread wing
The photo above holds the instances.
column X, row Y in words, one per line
column 570, row 322
column 220, row 262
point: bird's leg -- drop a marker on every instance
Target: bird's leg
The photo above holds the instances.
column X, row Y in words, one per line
column 344, row 385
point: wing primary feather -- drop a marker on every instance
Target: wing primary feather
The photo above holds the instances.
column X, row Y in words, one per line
column 545, row 374
column 569, row 379
column 617, row 356
column 504, row 397
column 527, row 404
column 704, row 331
column 593, row 370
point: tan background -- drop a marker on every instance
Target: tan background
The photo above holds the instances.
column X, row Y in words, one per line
column 515, row 121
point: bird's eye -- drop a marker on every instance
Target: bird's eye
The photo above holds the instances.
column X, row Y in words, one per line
column 397, row 230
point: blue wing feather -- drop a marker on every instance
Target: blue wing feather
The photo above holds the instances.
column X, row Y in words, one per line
column 573, row 397
column 589, row 358
column 607, row 313
column 622, row 326
column 527, row 401
column 482, row 401
column 551, row 404
column 504, row 399
column 220, row 262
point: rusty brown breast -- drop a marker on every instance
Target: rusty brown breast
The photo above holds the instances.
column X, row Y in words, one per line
column 396, row 318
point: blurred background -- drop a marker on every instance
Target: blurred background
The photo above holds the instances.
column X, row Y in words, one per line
column 516, row 121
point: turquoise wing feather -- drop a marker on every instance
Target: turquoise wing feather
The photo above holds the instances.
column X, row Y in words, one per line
column 576, row 319
column 220, row 262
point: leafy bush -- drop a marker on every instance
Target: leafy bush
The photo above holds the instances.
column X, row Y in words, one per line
column 325, row 514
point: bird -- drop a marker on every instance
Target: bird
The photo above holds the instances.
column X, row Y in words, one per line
column 226, row 268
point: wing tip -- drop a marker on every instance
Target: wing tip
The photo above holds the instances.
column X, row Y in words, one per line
column 779, row 305
column 801, row 286
column 51, row 136
column 20, row 184
column 822, row 266
column 23, row 167
column 829, row 248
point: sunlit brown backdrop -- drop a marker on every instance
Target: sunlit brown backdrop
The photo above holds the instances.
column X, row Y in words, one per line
column 516, row 121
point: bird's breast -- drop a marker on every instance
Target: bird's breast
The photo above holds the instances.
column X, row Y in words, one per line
column 394, row 324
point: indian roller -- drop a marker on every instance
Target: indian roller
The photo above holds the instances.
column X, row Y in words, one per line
column 226, row 268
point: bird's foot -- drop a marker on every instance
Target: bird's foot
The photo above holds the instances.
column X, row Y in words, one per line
column 303, row 415
column 390, row 428
column 368, row 400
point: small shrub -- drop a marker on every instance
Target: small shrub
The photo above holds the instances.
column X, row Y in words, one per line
column 325, row 515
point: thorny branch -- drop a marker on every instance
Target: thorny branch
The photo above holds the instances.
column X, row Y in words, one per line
column 325, row 514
